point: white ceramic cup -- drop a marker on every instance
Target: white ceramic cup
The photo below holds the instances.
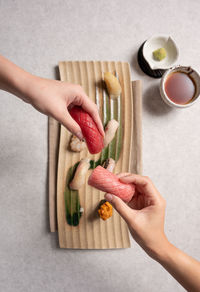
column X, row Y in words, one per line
column 195, row 77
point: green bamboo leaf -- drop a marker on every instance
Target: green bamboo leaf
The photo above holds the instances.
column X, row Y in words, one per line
column 72, row 201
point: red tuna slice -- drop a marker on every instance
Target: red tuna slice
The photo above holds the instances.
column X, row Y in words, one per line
column 89, row 129
column 108, row 182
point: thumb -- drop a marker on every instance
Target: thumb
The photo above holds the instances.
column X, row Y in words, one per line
column 71, row 124
column 121, row 207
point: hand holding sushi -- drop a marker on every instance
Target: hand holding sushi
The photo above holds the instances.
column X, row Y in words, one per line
column 51, row 97
column 145, row 215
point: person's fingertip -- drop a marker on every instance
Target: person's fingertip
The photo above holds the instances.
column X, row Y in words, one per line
column 102, row 134
column 124, row 178
column 108, row 197
column 127, row 175
column 71, row 125
column 79, row 135
column 99, row 126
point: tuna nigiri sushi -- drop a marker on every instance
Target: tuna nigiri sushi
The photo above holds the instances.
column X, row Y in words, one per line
column 108, row 182
column 89, row 129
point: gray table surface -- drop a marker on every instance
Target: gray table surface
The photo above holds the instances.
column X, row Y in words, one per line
column 36, row 35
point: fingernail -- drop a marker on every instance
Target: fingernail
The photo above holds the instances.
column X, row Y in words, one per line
column 108, row 197
column 79, row 135
column 124, row 176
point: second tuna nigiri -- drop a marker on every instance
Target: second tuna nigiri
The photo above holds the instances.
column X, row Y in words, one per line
column 108, row 182
column 89, row 129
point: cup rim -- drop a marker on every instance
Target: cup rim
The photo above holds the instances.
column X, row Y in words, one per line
column 162, row 87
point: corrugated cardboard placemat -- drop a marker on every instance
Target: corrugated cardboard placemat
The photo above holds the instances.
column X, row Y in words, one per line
column 94, row 234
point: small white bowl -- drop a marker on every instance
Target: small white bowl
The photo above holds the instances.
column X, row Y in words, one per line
column 157, row 42
column 195, row 77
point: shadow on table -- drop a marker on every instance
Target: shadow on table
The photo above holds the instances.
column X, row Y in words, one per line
column 53, row 235
column 56, row 73
column 135, row 65
column 153, row 103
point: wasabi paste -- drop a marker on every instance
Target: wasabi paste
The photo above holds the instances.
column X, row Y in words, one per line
column 159, row 54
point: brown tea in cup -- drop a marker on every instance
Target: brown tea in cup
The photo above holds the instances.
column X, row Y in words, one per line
column 180, row 88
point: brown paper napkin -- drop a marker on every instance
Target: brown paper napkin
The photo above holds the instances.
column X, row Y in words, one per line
column 53, row 139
